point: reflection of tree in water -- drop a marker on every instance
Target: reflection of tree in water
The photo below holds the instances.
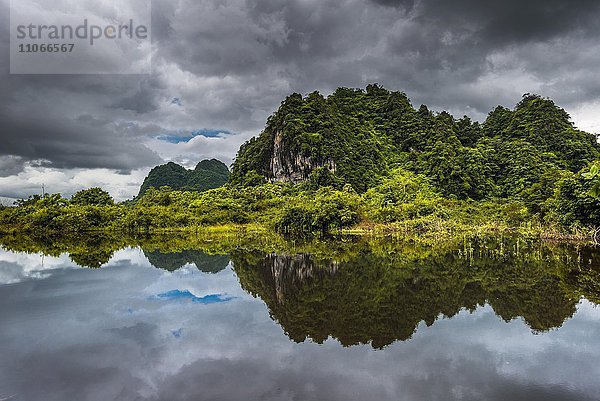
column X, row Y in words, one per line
column 172, row 261
column 90, row 258
column 586, row 277
column 379, row 299
column 91, row 251
column 96, row 249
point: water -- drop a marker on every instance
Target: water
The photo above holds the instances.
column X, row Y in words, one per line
column 349, row 321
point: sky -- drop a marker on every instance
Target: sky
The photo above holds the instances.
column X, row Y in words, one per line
column 221, row 67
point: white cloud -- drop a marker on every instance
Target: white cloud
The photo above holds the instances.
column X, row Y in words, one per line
column 586, row 116
column 69, row 181
column 188, row 154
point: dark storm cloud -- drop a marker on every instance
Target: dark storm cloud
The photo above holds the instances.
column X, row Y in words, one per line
column 433, row 50
column 143, row 98
column 505, row 21
column 406, row 4
column 62, row 119
column 140, row 102
column 66, row 143
column 11, row 165
column 502, row 22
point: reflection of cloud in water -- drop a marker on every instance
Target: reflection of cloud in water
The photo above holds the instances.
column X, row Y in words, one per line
column 16, row 267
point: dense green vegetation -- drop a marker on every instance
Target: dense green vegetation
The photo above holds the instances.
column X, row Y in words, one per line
column 364, row 160
column 403, row 203
column 367, row 134
column 208, row 174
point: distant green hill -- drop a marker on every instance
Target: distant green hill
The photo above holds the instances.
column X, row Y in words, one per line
column 357, row 137
column 208, row 174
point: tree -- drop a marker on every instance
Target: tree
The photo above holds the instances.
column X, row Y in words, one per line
column 594, row 177
column 92, row 197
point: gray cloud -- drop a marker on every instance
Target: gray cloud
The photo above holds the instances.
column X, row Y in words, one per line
column 141, row 101
column 408, row 4
column 68, row 143
column 11, row 165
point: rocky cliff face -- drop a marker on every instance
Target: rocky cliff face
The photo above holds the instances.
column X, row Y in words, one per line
column 292, row 167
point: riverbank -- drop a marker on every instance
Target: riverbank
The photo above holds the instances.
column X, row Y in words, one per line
column 405, row 230
column 399, row 208
column 232, row 238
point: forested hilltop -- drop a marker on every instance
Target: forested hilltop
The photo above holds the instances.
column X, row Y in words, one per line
column 366, row 160
column 208, row 174
column 358, row 137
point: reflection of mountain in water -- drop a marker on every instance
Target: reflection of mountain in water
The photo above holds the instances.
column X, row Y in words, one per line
column 290, row 271
column 172, row 261
column 380, row 299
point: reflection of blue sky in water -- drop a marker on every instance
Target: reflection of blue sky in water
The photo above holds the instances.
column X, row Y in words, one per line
column 186, row 295
column 79, row 334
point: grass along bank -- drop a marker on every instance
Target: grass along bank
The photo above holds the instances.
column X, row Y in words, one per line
column 404, row 204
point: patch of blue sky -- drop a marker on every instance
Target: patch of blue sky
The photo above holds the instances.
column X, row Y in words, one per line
column 186, row 136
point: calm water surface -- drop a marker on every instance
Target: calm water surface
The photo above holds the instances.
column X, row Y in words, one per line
column 490, row 323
